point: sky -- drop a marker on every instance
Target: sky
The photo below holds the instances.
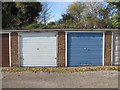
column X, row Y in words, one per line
column 57, row 9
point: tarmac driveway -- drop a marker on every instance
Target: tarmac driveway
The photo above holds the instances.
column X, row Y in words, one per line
column 90, row 79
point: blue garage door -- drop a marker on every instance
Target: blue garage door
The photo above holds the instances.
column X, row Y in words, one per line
column 84, row 49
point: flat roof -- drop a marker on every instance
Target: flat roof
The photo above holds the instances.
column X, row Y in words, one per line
column 47, row 30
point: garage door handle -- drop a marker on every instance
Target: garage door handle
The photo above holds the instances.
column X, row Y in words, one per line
column 87, row 49
column 37, row 48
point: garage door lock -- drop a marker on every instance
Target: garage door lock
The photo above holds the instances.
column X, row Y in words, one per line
column 37, row 48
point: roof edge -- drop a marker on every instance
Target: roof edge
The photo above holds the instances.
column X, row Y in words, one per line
column 47, row 30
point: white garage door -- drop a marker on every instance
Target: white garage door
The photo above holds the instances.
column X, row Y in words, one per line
column 117, row 48
column 38, row 49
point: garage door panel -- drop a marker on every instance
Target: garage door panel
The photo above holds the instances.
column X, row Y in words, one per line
column 38, row 49
column 84, row 48
column 92, row 56
column 83, row 58
column 117, row 43
column 84, row 63
column 37, row 52
column 4, row 53
column 87, row 50
column 37, row 55
column 5, row 40
column 84, row 54
column 75, row 41
column 42, row 40
column 117, row 60
column 4, row 50
column 86, row 39
column 5, row 47
column 43, row 34
column 37, row 45
column 116, row 48
column 117, row 37
column 116, row 53
column 91, row 42
column 37, row 65
column 83, row 34
column 42, row 61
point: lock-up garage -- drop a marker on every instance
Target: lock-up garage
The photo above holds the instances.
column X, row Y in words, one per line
column 37, row 49
column 60, row 47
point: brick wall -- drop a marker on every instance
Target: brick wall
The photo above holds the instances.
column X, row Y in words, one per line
column 14, row 49
column 61, row 49
column 108, row 42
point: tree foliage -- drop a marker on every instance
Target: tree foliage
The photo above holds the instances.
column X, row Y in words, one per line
column 18, row 14
column 78, row 15
column 75, row 10
column 116, row 16
column 45, row 14
column 92, row 15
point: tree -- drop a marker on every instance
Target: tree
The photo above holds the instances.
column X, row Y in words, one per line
column 9, row 11
column 110, row 14
column 92, row 15
column 18, row 14
column 45, row 14
column 82, row 15
column 75, row 10
column 116, row 16
column 66, row 18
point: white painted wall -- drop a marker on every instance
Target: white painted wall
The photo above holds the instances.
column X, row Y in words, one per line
column 38, row 49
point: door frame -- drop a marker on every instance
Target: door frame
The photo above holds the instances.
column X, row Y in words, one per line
column 103, row 49
column 9, row 33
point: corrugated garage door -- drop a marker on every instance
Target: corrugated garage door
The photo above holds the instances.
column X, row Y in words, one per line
column 4, row 50
column 84, row 49
column 116, row 48
column 38, row 49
